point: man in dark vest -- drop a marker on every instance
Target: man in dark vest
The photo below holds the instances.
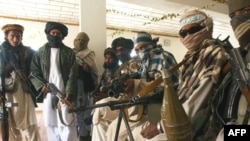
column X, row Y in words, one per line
column 239, row 12
column 15, row 66
column 55, row 63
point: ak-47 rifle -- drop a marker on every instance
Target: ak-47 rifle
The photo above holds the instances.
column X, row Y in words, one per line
column 54, row 90
column 4, row 103
column 4, row 112
column 240, row 72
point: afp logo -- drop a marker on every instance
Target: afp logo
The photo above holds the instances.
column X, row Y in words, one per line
column 239, row 132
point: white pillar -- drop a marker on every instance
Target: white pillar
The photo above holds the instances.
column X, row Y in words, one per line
column 92, row 19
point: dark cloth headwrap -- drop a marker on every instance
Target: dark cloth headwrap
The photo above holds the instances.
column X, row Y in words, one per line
column 234, row 5
column 241, row 28
column 120, row 41
column 56, row 25
column 110, row 51
column 143, row 37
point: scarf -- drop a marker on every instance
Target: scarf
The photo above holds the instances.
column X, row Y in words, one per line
column 193, row 41
column 154, row 60
column 207, row 62
column 54, row 41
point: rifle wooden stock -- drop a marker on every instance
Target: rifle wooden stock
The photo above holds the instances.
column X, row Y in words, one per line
column 66, row 102
column 54, row 90
column 245, row 91
column 4, row 119
column 5, row 130
column 175, row 121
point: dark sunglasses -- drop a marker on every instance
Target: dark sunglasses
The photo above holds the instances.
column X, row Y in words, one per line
column 192, row 30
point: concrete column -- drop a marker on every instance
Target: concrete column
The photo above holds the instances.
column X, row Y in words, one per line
column 92, row 19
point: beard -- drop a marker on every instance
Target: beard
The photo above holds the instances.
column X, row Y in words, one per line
column 109, row 66
column 123, row 57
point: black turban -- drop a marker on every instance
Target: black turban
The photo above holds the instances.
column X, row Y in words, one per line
column 56, row 25
column 234, row 5
column 120, row 41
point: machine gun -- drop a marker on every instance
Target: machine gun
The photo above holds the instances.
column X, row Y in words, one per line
column 121, row 105
column 54, row 90
column 240, row 72
column 152, row 97
column 116, row 87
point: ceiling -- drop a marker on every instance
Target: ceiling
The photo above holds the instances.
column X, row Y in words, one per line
column 159, row 17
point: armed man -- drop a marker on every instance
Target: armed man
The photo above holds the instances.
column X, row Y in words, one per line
column 239, row 12
column 15, row 68
column 103, row 116
column 55, row 63
column 154, row 59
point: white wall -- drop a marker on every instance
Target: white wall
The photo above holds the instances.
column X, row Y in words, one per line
column 174, row 47
column 34, row 36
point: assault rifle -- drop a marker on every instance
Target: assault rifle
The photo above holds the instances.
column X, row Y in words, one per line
column 4, row 112
column 116, row 87
column 4, row 103
column 240, row 71
column 54, row 90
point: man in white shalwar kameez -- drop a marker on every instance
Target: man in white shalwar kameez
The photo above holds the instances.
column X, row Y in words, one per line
column 55, row 63
column 15, row 59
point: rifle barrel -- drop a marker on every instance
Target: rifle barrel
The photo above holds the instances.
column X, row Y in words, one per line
column 115, row 104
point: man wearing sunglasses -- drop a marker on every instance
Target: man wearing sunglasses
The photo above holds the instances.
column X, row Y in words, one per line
column 239, row 12
column 199, row 76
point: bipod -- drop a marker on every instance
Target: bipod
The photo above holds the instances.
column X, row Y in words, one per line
column 122, row 115
column 120, row 105
column 133, row 101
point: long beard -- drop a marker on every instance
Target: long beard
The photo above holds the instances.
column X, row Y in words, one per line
column 54, row 41
column 109, row 66
column 124, row 57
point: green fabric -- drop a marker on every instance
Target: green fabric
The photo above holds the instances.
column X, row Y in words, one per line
column 40, row 66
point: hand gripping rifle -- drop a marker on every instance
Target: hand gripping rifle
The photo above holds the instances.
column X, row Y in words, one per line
column 116, row 87
column 240, row 72
column 54, row 90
